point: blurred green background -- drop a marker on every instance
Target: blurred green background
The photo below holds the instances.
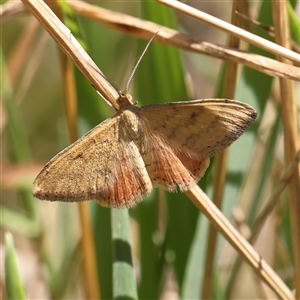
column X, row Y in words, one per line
column 168, row 234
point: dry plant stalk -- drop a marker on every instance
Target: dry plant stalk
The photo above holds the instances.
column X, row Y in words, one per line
column 233, row 30
column 261, row 268
column 290, row 128
column 146, row 29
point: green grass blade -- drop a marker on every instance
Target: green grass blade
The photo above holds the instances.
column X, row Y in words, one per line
column 124, row 282
column 192, row 287
column 19, row 143
column 19, row 223
column 150, row 247
column 13, row 282
column 102, row 237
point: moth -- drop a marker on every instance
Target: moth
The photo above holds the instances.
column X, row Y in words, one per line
column 118, row 162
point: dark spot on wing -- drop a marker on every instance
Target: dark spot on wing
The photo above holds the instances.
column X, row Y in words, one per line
column 79, row 155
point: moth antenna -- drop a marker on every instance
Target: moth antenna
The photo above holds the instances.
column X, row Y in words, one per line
column 137, row 64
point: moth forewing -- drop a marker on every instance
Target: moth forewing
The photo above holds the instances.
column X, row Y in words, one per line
column 77, row 172
column 202, row 128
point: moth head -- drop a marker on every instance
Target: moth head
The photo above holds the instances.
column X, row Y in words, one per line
column 125, row 99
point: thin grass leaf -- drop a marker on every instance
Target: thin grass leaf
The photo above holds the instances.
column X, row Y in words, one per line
column 13, row 282
column 20, row 147
column 294, row 23
column 18, row 222
column 71, row 22
column 218, row 292
column 151, row 238
column 194, row 273
column 104, row 250
column 124, row 282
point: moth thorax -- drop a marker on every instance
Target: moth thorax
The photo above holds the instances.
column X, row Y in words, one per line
column 131, row 123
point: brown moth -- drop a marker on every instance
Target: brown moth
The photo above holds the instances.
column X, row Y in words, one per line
column 118, row 162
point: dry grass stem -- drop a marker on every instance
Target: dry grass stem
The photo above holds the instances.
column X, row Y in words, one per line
column 233, row 30
column 146, row 29
column 31, row 63
column 261, row 268
column 90, row 261
column 69, row 45
column 290, row 130
column 270, row 31
column 16, row 61
column 70, row 96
